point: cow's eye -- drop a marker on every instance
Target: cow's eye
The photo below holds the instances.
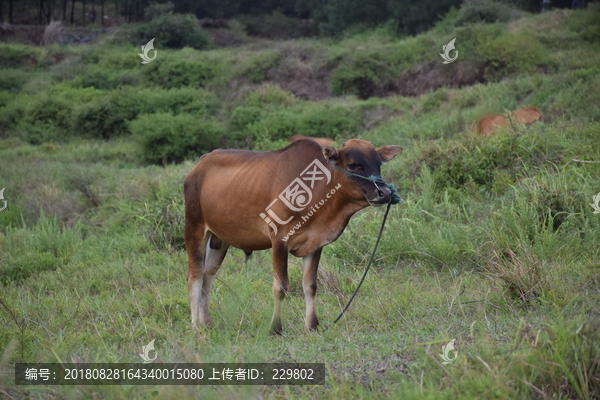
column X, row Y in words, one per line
column 352, row 166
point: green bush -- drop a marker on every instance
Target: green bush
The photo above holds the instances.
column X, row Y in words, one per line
column 358, row 75
column 12, row 80
column 44, row 116
column 486, row 11
column 167, row 138
column 108, row 116
column 99, row 78
column 173, row 31
column 17, row 55
column 177, row 100
column 314, row 120
column 10, row 115
column 256, row 68
column 155, row 10
column 278, row 26
column 269, row 95
column 585, row 23
column 174, row 72
column 365, row 72
column 243, row 117
column 512, row 54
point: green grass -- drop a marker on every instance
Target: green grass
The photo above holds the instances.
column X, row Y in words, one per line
column 495, row 244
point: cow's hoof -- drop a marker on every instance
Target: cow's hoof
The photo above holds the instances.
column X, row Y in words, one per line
column 276, row 328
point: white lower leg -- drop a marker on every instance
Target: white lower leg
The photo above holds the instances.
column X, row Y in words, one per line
column 195, row 294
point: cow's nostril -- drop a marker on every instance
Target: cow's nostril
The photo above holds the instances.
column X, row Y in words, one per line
column 380, row 193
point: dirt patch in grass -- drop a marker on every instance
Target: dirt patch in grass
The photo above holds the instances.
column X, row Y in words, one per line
column 429, row 76
column 303, row 81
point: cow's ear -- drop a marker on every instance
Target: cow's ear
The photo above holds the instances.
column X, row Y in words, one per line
column 330, row 153
column 388, row 152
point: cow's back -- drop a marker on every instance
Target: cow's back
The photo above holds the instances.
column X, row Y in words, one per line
column 528, row 115
column 323, row 141
column 489, row 124
column 229, row 189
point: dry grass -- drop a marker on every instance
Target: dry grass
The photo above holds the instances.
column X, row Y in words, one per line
column 521, row 274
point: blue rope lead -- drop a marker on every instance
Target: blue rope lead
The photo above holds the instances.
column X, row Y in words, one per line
column 395, row 199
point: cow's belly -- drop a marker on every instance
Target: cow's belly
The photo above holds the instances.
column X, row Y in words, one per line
column 238, row 234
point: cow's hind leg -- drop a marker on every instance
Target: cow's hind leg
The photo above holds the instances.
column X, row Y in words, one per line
column 195, row 245
column 216, row 250
column 310, row 264
column 280, row 286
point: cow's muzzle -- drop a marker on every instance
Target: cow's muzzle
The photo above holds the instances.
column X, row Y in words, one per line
column 383, row 195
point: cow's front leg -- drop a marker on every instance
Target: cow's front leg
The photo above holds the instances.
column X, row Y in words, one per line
column 280, row 285
column 310, row 264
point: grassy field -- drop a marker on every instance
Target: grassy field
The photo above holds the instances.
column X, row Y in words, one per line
column 495, row 244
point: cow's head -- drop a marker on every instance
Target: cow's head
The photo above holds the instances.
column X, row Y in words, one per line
column 361, row 158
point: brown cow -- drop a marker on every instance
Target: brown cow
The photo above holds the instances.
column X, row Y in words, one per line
column 323, row 141
column 489, row 123
column 528, row 115
column 293, row 200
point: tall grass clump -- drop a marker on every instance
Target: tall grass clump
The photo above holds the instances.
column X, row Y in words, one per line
column 44, row 247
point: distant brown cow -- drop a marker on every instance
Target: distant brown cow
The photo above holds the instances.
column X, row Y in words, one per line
column 488, row 124
column 528, row 115
column 292, row 200
column 323, row 141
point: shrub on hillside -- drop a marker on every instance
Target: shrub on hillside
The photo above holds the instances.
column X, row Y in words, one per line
column 174, row 72
column 167, row 138
column 99, row 78
column 173, row 31
column 486, row 11
column 269, row 95
column 243, row 117
column 324, row 120
column 358, row 75
column 278, row 26
column 585, row 23
column 106, row 117
column 44, row 116
column 255, row 69
column 17, row 55
column 12, row 79
column 177, row 100
column 155, row 10
column 512, row 54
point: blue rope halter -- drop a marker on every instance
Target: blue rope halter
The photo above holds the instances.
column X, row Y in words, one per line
column 395, row 197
